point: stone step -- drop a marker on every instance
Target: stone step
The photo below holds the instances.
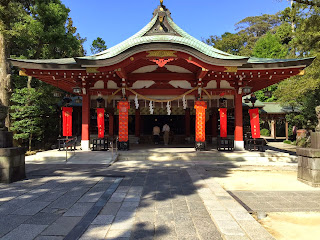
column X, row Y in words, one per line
column 51, row 155
column 205, row 154
column 248, row 157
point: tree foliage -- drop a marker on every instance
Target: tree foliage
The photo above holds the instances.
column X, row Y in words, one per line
column 300, row 90
column 249, row 30
column 30, row 112
column 270, row 46
column 48, row 32
column 292, row 33
column 98, row 45
column 37, row 29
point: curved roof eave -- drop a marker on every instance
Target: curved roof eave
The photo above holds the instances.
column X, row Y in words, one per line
column 63, row 63
column 254, row 62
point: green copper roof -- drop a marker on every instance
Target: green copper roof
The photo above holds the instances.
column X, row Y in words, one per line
column 271, row 60
column 184, row 39
column 276, row 108
column 48, row 61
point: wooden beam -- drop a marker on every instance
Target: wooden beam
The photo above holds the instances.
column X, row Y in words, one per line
column 161, row 76
column 121, row 73
column 161, row 92
column 202, row 73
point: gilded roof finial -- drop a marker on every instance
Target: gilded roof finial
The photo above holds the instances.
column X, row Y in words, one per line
column 161, row 2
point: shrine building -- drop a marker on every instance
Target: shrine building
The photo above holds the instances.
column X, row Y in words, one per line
column 162, row 75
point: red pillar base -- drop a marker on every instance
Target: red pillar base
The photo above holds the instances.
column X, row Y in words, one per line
column 85, row 134
column 238, row 132
column 200, row 146
column 123, row 146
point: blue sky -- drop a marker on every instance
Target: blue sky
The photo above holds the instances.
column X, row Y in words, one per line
column 115, row 21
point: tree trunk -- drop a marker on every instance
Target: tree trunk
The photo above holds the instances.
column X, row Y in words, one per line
column 5, row 76
column 293, row 17
column 29, row 82
column 30, row 141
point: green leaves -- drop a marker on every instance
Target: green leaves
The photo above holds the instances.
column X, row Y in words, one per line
column 33, row 113
column 98, row 45
column 26, row 113
column 45, row 32
column 269, row 46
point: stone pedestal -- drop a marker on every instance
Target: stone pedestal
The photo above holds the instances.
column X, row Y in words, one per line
column 123, row 146
column 315, row 140
column 309, row 166
column 6, row 139
column 12, row 164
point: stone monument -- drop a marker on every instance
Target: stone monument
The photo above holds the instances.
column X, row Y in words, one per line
column 12, row 159
column 309, row 158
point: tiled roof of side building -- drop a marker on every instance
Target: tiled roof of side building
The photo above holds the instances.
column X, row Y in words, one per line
column 277, row 108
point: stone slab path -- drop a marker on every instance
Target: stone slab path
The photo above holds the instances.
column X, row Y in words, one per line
column 48, row 207
column 279, row 201
column 122, row 202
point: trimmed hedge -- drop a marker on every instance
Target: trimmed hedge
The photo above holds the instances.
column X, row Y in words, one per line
column 265, row 132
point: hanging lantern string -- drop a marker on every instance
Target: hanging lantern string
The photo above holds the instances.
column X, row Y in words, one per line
column 206, row 92
column 113, row 94
column 156, row 100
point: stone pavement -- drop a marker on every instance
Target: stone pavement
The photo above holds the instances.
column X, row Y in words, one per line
column 46, row 207
column 279, row 201
column 73, row 157
column 123, row 201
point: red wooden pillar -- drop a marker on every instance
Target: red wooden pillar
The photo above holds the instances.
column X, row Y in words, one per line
column 200, row 107
column 85, row 133
column 238, row 132
column 137, row 123
column 111, row 122
column 187, row 122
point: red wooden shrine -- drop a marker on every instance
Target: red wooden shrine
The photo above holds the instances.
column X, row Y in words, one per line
column 161, row 62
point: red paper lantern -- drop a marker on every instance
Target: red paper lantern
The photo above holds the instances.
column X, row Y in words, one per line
column 200, row 107
column 223, row 122
column 254, row 122
column 123, row 107
column 100, row 122
column 67, row 121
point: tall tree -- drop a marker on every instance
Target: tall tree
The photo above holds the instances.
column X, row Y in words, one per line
column 46, row 32
column 256, row 27
column 228, row 42
column 98, row 45
column 270, row 46
column 249, row 30
column 313, row 3
column 303, row 90
column 50, row 33
column 12, row 12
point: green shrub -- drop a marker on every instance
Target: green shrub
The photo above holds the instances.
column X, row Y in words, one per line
column 287, row 141
column 265, row 132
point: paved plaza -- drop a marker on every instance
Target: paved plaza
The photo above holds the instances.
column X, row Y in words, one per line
column 279, row 201
column 133, row 199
